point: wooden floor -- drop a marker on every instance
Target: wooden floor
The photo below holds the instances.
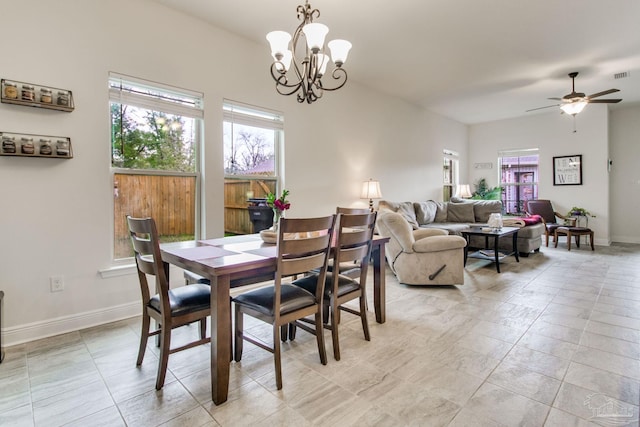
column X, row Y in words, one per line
column 553, row 340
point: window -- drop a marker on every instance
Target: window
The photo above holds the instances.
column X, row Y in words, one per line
column 450, row 174
column 252, row 145
column 155, row 152
column 518, row 178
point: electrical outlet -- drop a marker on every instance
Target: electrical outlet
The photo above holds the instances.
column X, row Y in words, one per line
column 57, row 283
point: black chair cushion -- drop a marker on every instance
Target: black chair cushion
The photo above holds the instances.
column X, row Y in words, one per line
column 345, row 284
column 291, row 298
column 185, row 299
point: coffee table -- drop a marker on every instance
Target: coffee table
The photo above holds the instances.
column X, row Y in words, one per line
column 491, row 254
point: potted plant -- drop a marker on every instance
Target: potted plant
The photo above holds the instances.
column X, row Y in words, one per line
column 576, row 211
column 483, row 192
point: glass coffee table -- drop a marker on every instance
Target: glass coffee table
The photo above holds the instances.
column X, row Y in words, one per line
column 491, row 254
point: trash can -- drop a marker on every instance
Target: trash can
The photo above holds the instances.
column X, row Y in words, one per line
column 260, row 214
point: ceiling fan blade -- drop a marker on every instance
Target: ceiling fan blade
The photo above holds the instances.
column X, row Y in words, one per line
column 604, row 101
column 540, row 108
column 604, row 92
column 555, row 99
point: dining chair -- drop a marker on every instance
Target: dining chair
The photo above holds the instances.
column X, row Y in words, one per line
column 306, row 248
column 352, row 244
column 170, row 308
column 349, row 268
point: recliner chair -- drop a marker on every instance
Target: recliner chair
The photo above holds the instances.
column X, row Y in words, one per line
column 426, row 256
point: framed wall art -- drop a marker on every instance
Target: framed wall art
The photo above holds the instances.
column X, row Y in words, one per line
column 567, row 170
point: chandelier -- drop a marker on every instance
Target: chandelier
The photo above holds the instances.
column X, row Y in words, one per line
column 298, row 67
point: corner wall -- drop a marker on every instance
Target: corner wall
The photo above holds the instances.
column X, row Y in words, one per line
column 552, row 134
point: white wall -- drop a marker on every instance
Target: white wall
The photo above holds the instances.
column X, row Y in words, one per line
column 56, row 215
column 553, row 135
column 625, row 174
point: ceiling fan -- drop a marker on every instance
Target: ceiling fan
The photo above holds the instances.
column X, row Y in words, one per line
column 575, row 102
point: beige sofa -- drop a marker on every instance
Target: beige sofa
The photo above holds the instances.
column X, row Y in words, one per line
column 426, row 256
column 456, row 215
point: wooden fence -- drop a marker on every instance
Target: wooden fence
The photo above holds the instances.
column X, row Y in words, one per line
column 236, row 212
column 170, row 200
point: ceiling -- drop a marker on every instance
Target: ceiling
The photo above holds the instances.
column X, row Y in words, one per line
column 474, row 61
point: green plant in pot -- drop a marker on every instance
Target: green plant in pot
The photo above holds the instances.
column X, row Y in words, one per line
column 484, row 192
column 576, row 211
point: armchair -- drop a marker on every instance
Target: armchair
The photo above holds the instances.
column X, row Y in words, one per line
column 426, row 256
column 548, row 215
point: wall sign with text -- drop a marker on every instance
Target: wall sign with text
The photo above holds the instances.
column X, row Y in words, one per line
column 567, row 170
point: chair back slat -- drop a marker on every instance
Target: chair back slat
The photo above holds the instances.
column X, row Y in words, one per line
column 146, row 246
column 303, row 245
column 353, row 242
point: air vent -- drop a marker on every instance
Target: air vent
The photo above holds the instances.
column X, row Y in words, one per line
column 622, row 75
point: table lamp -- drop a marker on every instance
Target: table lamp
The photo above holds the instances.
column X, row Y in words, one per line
column 371, row 190
column 463, row 191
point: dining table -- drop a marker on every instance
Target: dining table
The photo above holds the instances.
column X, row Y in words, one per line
column 234, row 261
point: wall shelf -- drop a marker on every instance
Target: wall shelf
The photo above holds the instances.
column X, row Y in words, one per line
column 29, row 145
column 33, row 95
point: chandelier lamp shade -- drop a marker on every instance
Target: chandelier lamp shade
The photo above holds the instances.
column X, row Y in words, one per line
column 300, row 62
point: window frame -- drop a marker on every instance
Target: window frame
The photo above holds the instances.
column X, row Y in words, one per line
column 535, row 183
column 167, row 105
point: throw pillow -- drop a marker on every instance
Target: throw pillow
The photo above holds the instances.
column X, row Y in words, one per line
column 460, row 212
column 484, row 208
column 441, row 212
column 425, row 211
column 407, row 211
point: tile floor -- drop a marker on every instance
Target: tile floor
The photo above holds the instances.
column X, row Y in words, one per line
column 553, row 340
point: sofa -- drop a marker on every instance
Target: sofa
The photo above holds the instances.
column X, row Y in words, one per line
column 426, row 256
column 457, row 214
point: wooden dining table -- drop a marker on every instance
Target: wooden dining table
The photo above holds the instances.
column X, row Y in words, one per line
column 230, row 262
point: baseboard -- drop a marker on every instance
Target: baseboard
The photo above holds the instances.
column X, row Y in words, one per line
column 625, row 239
column 61, row 325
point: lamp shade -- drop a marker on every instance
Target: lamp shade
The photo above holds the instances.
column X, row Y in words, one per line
column 279, row 41
column 371, row 190
column 339, row 51
column 573, row 108
column 463, row 191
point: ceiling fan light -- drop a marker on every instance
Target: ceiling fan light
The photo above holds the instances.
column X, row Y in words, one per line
column 279, row 41
column 315, row 34
column 339, row 51
column 573, row 108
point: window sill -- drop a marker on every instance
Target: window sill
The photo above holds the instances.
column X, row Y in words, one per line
column 117, row 271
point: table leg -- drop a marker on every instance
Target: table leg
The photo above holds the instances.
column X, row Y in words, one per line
column 220, row 338
column 379, row 285
column 569, row 240
column 515, row 246
column 495, row 253
column 466, row 249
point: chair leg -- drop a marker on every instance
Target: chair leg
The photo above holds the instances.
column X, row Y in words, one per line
column 203, row 328
column 320, row 338
column 237, row 350
column 292, row 331
column 277, row 357
column 335, row 310
column 569, row 241
column 144, row 337
column 284, row 332
column 591, row 241
column 165, row 345
column 547, row 236
column 363, row 317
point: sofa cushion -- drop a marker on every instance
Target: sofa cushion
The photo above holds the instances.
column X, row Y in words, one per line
column 425, row 211
column 441, row 212
column 460, row 212
column 482, row 209
column 451, row 227
column 406, row 210
column 387, row 205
